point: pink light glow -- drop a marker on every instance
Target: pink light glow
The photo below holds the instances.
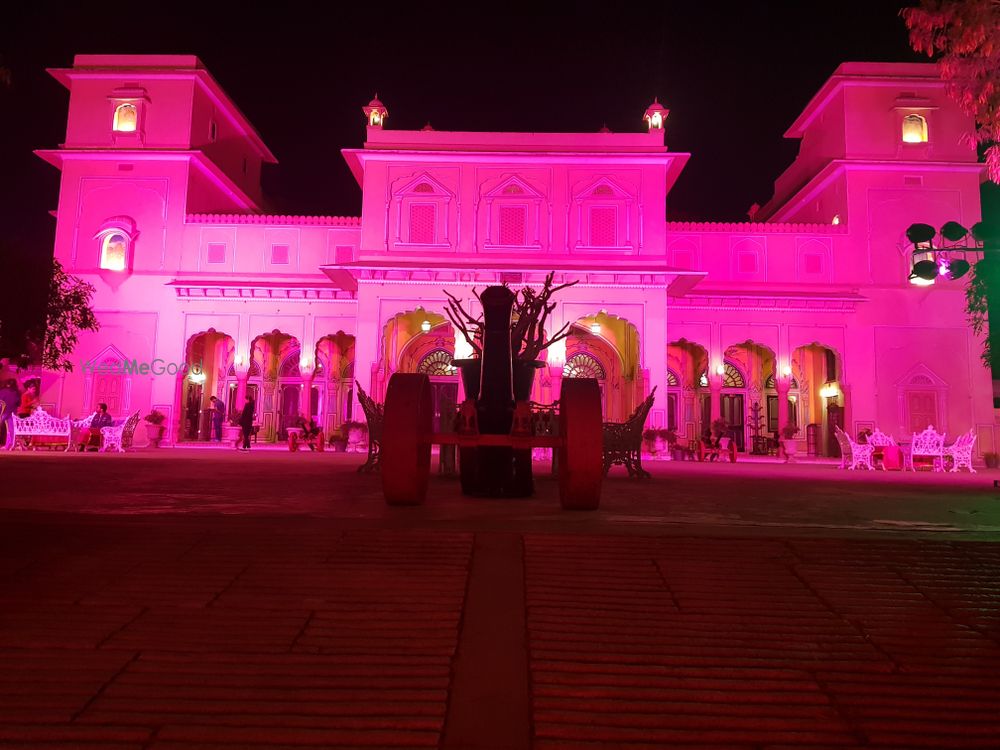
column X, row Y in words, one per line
column 818, row 281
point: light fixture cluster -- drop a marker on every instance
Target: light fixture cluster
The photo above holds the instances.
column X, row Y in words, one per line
column 947, row 258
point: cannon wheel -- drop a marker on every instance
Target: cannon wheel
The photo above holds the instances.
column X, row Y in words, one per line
column 406, row 427
column 581, row 459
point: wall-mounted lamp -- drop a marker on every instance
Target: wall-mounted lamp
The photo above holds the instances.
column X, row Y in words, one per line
column 595, row 328
column 786, row 371
column 196, row 377
column 720, row 369
column 829, row 391
column 425, row 326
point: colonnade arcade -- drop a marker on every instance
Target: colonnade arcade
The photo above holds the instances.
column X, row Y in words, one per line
column 599, row 345
column 283, row 382
column 752, row 395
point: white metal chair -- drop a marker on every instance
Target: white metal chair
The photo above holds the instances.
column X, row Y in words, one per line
column 928, row 444
column 859, row 454
column 960, row 451
column 119, row 437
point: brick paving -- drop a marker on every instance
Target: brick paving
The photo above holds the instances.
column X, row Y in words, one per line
column 471, row 624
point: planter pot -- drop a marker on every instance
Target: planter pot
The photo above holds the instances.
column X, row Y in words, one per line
column 231, row 433
column 790, row 447
column 155, row 433
column 992, row 460
column 470, row 370
column 659, row 445
column 339, row 446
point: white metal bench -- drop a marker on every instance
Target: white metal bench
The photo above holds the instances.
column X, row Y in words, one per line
column 858, row 454
column 960, row 451
column 41, row 424
column 928, row 444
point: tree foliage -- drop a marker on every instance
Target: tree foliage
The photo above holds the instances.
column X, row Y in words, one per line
column 977, row 306
column 965, row 34
column 68, row 312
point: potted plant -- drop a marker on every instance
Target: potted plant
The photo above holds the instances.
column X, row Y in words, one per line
column 338, row 442
column 155, row 427
column 788, row 443
column 992, row 459
column 649, row 438
column 355, row 432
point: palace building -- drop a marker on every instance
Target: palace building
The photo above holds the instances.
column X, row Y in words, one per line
column 807, row 314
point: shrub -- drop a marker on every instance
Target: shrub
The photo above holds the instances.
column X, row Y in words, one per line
column 156, row 417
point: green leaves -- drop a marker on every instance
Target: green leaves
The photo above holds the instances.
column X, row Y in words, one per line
column 68, row 312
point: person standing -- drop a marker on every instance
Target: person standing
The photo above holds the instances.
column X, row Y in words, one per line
column 218, row 414
column 246, row 423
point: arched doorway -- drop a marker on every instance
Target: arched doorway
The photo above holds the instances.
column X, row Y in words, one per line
column 444, row 386
column 686, row 362
column 336, row 352
column 613, row 344
column 732, row 403
column 406, row 338
column 273, row 351
column 291, row 386
column 208, row 356
column 751, row 363
column 430, row 351
column 821, row 401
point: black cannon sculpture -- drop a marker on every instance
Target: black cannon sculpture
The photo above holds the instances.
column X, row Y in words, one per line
column 495, row 432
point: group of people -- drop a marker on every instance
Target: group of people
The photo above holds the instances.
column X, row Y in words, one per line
column 245, row 422
column 15, row 402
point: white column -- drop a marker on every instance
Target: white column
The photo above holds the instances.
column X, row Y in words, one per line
column 366, row 344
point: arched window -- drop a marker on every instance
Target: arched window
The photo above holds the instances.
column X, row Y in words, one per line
column 290, row 366
column 126, row 118
column 253, row 372
column 438, row 362
column 114, row 251
column 731, row 377
column 583, row 366
column 770, row 386
column 914, row 129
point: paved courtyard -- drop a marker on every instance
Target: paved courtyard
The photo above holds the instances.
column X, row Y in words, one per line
column 208, row 599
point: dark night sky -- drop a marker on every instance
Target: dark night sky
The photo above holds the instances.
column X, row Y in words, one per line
column 733, row 82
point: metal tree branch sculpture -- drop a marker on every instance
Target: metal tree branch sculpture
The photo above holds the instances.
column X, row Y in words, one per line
column 527, row 329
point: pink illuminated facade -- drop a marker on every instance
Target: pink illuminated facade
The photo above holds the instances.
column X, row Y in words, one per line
column 806, row 312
